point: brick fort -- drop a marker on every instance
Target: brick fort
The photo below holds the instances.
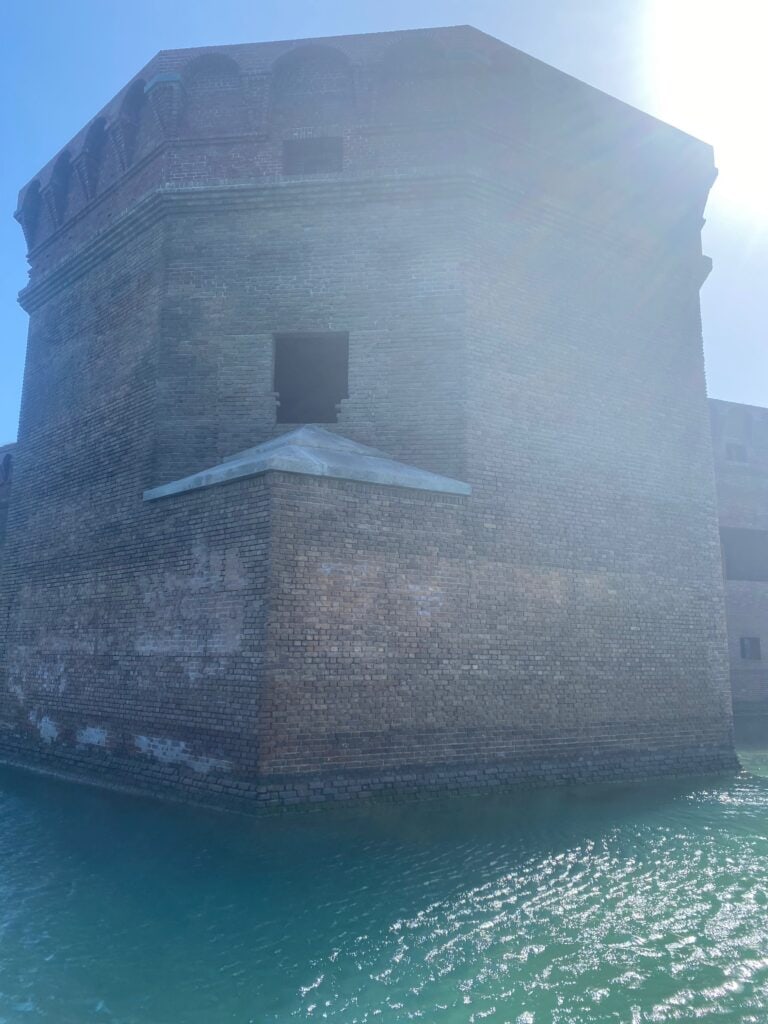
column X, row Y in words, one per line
column 364, row 443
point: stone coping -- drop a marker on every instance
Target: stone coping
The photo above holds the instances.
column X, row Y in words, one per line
column 313, row 451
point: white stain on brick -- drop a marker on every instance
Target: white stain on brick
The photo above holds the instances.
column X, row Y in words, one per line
column 175, row 752
column 428, row 599
column 359, row 570
column 92, row 736
column 46, row 726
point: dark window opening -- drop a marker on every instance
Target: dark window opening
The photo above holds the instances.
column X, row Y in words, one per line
column 6, row 468
column 312, row 156
column 736, row 452
column 745, row 554
column 311, row 376
column 750, row 648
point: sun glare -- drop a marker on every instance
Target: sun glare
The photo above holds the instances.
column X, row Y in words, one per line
column 708, row 76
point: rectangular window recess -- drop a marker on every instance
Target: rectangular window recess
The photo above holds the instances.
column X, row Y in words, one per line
column 323, row 155
column 311, row 376
column 750, row 648
column 736, row 452
column 745, row 554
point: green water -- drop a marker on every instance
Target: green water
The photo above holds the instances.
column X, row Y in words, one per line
column 631, row 903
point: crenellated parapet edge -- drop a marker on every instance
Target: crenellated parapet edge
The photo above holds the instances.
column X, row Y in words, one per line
column 222, row 115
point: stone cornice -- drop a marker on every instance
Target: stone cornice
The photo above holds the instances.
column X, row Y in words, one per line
column 148, row 211
column 179, row 142
column 523, row 148
column 114, row 187
column 151, row 209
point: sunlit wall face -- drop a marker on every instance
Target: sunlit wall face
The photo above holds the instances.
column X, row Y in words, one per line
column 708, row 74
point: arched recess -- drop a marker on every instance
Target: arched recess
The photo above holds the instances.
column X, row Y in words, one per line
column 28, row 214
column 214, row 98
column 416, row 81
column 131, row 125
column 312, row 85
column 61, row 179
column 92, row 157
column 133, row 102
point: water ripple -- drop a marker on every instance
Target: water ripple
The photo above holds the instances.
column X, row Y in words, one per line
column 618, row 904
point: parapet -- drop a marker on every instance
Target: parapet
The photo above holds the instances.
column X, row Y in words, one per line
column 267, row 112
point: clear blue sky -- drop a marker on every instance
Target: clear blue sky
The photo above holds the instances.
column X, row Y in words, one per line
column 60, row 60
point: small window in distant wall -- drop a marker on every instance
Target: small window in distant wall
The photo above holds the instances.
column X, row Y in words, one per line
column 312, row 156
column 735, row 452
column 745, row 554
column 311, row 376
column 750, row 648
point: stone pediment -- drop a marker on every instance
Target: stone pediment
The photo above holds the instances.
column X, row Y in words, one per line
column 313, row 451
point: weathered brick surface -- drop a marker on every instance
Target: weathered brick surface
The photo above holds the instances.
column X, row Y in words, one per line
column 742, row 489
column 520, row 316
column 408, row 652
column 7, row 453
column 380, row 261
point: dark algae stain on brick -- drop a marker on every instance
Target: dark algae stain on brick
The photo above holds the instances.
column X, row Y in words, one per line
column 405, row 237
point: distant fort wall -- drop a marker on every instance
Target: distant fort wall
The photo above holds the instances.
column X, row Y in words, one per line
column 740, row 437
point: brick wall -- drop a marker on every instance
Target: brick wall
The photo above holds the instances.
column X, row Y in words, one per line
column 379, row 261
column 140, row 664
column 402, row 644
column 289, row 639
column 591, row 460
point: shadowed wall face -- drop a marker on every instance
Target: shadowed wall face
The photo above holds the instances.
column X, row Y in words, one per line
column 479, row 266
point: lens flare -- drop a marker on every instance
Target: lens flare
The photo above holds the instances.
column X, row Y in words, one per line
column 708, row 75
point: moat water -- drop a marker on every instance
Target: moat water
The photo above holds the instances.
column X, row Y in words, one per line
column 622, row 904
